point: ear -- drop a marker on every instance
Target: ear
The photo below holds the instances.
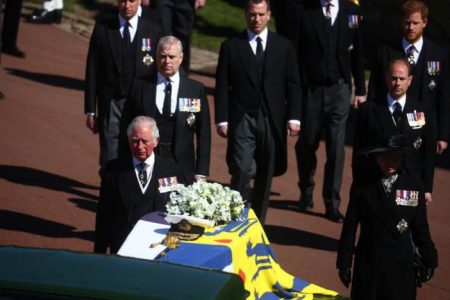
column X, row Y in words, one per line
column 155, row 142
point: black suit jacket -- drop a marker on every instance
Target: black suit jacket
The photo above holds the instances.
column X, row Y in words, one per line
column 191, row 159
column 312, row 45
column 237, row 81
column 103, row 66
column 122, row 203
column 437, row 98
column 382, row 252
column 375, row 124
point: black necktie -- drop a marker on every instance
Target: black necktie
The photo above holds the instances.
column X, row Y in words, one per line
column 259, row 49
column 126, row 34
column 397, row 114
column 410, row 55
column 142, row 174
column 167, row 99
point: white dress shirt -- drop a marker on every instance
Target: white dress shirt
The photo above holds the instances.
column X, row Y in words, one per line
column 252, row 39
column 150, row 162
column 132, row 28
column 334, row 9
column 161, row 84
column 391, row 101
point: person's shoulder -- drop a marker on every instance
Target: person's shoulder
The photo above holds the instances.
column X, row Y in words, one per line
column 106, row 19
column 235, row 39
column 168, row 166
column 435, row 48
column 150, row 23
column 192, row 83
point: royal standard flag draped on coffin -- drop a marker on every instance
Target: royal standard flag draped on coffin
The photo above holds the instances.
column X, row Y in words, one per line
column 247, row 253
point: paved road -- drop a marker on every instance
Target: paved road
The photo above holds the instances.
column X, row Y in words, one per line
column 48, row 169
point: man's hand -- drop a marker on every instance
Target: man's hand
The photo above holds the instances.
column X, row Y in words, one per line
column 345, row 275
column 428, row 198
column 92, row 123
column 200, row 178
column 358, row 100
column 200, row 3
column 222, row 130
column 441, row 146
column 293, row 129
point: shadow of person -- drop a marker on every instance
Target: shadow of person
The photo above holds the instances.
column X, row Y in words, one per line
column 16, row 221
column 49, row 79
column 34, row 177
column 295, row 237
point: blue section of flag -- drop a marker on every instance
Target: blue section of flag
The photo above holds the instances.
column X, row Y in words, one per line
column 299, row 284
column 201, row 255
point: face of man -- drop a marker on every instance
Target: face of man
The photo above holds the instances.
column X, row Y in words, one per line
column 257, row 17
column 128, row 8
column 398, row 80
column 389, row 162
column 142, row 142
column 413, row 26
column 168, row 60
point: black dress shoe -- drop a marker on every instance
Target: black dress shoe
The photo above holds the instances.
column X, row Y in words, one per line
column 304, row 205
column 2, row 96
column 334, row 215
column 13, row 50
column 45, row 17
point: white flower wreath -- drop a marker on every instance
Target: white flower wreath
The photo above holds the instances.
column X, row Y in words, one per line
column 208, row 201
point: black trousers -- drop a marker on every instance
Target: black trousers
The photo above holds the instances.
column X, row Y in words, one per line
column 178, row 19
column 111, row 132
column 326, row 108
column 251, row 154
column 11, row 23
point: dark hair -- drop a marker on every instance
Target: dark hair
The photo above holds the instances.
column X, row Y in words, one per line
column 413, row 6
column 250, row 2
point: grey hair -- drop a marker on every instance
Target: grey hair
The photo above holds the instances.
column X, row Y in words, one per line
column 167, row 41
column 143, row 121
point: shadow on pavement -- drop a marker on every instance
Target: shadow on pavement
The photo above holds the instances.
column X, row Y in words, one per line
column 86, row 204
column 11, row 220
column 33, row 177
column 295, row 237
column 49, row 79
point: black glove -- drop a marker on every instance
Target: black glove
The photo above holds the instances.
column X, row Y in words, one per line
column 345, row 275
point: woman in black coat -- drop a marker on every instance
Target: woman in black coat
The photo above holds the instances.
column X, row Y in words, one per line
column 392, row 215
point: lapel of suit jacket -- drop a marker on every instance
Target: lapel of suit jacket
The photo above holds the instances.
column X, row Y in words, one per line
column 380, row 204
column 316, row 19
column 385, row 117
column 148, row 100
column 151, row 194
column 247, row 57
column 180, row 121
column 420, row 70
column 114, row 39
column 140, row 34
column 130, row 191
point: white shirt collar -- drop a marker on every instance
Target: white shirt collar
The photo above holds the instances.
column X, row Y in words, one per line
column 175, row 78
column 391, row 101
column 334, row 3
column 263, row 35
column 133, row 21
column 417, row 44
